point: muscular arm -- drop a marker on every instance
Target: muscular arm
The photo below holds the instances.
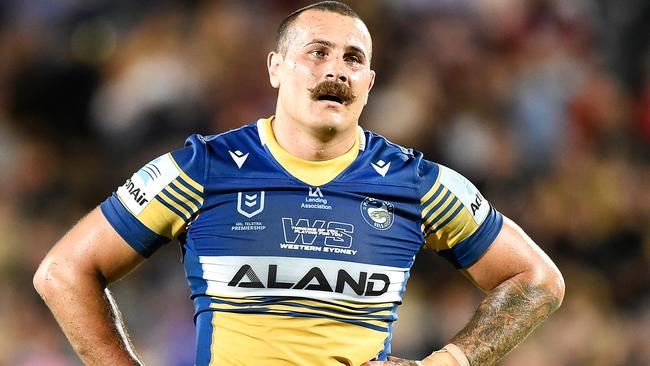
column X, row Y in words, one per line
column 72, row 281
column 523, row 288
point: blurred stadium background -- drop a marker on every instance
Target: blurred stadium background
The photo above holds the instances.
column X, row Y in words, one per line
column 545, row 104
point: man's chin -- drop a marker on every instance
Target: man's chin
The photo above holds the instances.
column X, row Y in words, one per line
column 327, row 119
column 333, row 119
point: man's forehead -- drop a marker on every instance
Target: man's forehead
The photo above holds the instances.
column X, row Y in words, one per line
column 334, row 27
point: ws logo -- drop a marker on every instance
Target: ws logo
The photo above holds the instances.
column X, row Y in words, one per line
column 331, row 234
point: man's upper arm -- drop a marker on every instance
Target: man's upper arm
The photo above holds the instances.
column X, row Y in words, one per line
column 92, row 247
column 511, row 254
column 461, row 225
column 457, row 221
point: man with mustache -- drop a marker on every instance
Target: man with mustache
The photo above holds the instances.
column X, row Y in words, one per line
column 299, row 230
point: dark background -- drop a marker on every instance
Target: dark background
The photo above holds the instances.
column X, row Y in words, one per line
column 544, row 104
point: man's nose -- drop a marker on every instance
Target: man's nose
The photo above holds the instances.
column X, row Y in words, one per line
column 335, row 71
column 336, row 77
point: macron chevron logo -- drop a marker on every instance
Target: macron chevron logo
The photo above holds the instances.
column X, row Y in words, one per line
column 381, row 167
column 239, row 157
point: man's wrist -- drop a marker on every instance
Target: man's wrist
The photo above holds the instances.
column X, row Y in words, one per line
column 456, row 353
column 451, row 354
column 439, row 358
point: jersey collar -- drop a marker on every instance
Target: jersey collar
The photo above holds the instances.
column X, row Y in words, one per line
column 315, row 173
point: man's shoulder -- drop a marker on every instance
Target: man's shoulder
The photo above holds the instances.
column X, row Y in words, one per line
column 233, row 153
column 429, row 171
column 245, row 133
column 238, row 141
column 380, row 146
column 375, row 141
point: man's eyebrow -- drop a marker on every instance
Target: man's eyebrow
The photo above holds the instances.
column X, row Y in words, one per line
column 324, row 42
column 327, row 43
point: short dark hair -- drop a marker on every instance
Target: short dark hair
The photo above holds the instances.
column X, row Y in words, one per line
column 327, row 6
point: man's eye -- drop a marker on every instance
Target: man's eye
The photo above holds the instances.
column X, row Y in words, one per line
column 354, row 59
column 318, row 53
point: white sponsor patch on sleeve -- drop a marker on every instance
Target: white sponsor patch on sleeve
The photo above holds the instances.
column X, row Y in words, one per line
column 138, row 191
column 466, row 192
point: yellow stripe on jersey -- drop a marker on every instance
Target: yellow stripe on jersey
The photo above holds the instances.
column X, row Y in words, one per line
column 160, row 216
column 453, row 232
column 374, row 315
column 376, row 309
column 180, row 197
column 293, row 310
column 333, row 304
column 460, row 228
column 277, row 340
column 186, row 177
column 431, row 191
column 188, row 191
column 442, row 215
column 438, row 205
column 165, row 196
column 445, row 220
column 161, row 220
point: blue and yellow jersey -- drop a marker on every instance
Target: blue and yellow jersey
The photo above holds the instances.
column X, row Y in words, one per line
column 294, row 262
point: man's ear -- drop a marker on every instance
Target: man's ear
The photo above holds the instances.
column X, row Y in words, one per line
column 273, row 63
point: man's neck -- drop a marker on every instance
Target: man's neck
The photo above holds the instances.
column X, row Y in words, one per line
column 310, row 143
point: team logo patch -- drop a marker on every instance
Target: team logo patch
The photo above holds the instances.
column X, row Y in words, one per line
column 377, row 213
column 250, row 204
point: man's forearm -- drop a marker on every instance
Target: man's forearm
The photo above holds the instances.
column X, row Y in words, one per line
column 504, row 318
column 91, row 321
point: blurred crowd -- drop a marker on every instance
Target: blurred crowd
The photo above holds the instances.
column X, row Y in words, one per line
column 544, row 104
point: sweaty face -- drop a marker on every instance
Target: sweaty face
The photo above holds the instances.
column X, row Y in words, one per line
column 325, row 76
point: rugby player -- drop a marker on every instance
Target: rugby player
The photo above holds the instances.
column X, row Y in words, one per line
column 299, row 230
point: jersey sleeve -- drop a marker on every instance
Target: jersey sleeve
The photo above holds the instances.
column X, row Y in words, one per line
column 157, row 203
column 457, row 221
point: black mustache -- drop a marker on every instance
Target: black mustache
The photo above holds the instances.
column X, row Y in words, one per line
column 333, row 88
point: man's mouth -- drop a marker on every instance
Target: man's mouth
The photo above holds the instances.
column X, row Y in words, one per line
column 331, row 98
column 332, row 91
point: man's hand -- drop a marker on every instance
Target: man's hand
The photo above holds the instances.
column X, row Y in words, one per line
column 435, row 359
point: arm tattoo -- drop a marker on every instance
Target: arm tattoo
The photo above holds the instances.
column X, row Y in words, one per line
column 503, row 319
